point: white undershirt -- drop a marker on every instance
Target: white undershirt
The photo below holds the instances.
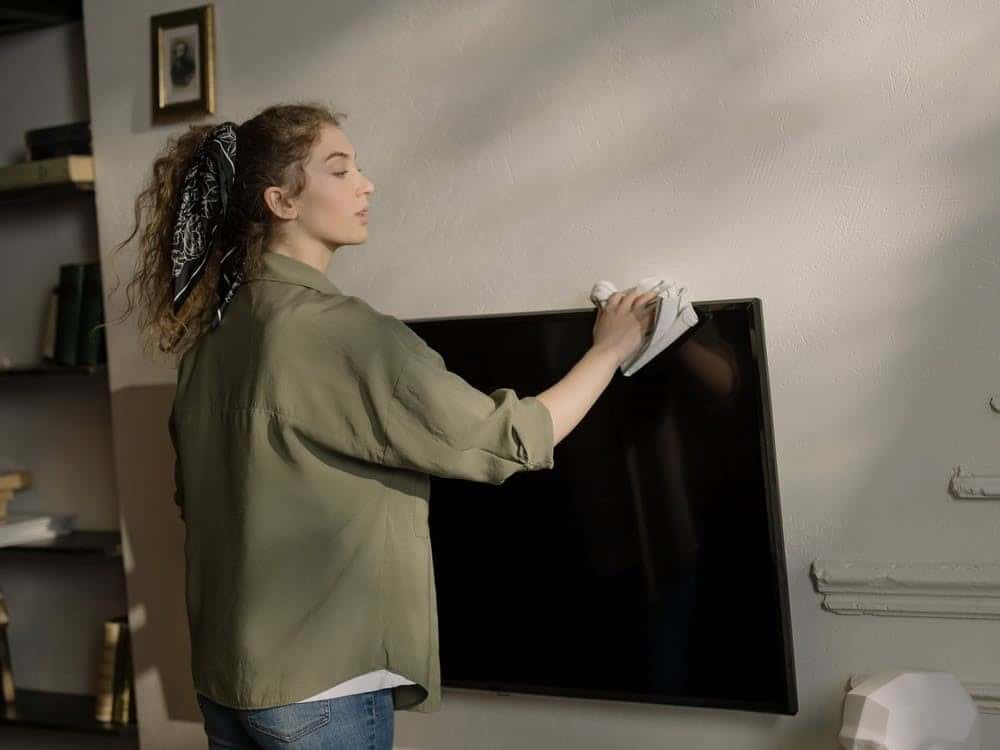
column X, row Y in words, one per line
column 363, row 683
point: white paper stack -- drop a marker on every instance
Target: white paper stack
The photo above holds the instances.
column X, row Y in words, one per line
column 22, row 527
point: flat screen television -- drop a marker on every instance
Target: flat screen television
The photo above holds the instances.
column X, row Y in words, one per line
column 648, row 564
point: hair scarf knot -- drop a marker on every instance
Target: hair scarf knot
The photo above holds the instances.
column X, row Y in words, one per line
column 204, row 202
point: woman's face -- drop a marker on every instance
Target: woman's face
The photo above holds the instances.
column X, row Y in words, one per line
column 335, row 191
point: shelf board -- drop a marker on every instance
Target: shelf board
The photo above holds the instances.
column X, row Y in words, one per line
column 18, row 17
column 46, row 192
column 65, row 711
column 51, row 368
column 80, row 543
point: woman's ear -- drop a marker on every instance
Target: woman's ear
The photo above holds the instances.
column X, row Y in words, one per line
column 279, row 204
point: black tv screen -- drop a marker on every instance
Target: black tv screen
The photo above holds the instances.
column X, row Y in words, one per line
column 648, row 564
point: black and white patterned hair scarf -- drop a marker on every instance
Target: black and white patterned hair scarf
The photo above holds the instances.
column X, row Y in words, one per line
column 204, row 201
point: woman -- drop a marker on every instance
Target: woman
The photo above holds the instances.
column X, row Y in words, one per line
column 306, row 425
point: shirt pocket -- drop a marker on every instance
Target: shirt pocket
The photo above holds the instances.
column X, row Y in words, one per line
column 292, row 721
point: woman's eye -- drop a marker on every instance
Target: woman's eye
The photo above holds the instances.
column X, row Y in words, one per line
column 341, row 174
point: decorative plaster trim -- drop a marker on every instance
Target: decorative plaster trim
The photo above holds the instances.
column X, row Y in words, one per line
column 974, row 486
column 948, row 590
column 986, row 695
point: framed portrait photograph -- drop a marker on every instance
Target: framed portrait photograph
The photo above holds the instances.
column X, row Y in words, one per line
column 183, row 46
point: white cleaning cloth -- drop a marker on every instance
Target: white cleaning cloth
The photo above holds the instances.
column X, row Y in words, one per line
column 673, row 316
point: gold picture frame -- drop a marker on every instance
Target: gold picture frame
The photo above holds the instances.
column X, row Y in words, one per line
column 183, row 56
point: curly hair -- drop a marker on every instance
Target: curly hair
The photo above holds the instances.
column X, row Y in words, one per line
column 272, row 147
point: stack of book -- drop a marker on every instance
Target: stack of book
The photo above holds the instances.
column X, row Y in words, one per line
column 24, row 527
column 114, row 701
column 11, row 482
column 76, row 309
column 7, row 694
column 56, row 155
column 115, row 680
column 59, row 156
column 60, row 170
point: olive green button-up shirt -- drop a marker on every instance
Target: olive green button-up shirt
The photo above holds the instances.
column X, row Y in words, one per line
column 306, row 427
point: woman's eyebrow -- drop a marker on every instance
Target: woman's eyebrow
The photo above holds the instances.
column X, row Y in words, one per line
column 340, row 153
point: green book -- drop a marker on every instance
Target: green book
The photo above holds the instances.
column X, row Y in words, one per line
column 70, row 292
column 89, row 347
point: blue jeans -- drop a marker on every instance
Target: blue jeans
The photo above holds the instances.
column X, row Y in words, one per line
column 363, row 721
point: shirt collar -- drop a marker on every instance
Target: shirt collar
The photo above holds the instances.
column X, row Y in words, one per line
column 278, row 267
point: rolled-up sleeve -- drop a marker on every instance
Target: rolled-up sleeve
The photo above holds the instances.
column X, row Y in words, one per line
column 440, row 424
column 364, row 384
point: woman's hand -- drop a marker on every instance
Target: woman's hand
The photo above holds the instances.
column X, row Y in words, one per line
column 624, row 322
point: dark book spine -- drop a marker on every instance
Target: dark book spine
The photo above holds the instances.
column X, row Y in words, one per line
column 58, row 140
column 68, row 317
column 91, row 314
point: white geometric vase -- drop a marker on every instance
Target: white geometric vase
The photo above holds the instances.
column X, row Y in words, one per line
column 896, row 710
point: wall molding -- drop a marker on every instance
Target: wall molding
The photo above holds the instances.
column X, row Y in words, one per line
column 966, row 486
column 986, row 695
column 946, row 590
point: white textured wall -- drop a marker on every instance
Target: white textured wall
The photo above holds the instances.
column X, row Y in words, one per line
column 837, row 160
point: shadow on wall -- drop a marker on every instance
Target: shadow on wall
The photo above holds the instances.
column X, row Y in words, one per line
column 153, row 547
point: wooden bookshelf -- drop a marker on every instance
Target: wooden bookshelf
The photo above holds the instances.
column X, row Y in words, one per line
column 45, row 193
column 64, row 184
